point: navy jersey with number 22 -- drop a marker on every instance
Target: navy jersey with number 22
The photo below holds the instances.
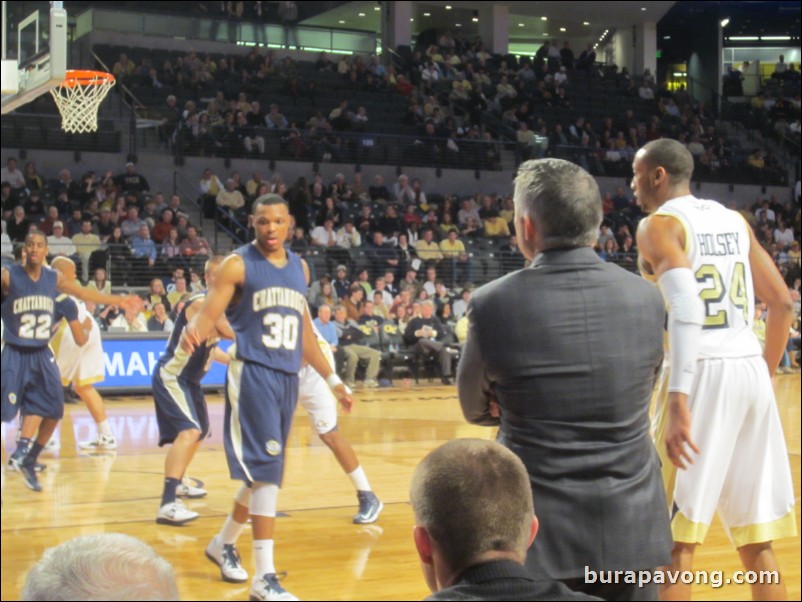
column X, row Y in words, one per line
column 268, row 320
column 28, row 311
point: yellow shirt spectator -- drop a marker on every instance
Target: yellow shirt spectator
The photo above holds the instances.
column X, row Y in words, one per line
column 452, row 248
column 496, row 226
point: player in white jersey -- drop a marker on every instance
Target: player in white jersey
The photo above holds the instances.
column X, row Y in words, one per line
column 83, row 365
column 719, row 424
column 316, row 398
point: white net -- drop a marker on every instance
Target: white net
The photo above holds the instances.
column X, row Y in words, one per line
column 78, row 98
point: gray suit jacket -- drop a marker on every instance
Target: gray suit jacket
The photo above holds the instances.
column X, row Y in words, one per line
column 570, row 349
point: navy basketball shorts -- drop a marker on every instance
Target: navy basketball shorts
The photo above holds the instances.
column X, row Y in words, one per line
column 260, row 403
column 180, row 406
column 31, row 383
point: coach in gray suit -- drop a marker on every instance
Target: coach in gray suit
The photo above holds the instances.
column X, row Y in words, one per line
column 563, row 356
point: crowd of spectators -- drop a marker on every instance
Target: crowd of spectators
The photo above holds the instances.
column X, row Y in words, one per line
column 453, row 94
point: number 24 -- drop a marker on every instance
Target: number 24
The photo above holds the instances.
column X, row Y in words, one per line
column 715, row 293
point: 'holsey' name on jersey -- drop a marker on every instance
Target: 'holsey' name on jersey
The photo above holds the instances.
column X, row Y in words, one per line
column 279, row 296
column 719, row 245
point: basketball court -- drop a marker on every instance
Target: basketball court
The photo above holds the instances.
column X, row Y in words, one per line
column 324, row 554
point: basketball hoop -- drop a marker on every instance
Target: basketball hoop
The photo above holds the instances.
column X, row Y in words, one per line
column 78, row 98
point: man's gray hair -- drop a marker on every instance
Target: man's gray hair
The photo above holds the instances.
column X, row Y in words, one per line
column 473, row 496
column 562, row 199
column 108, row 566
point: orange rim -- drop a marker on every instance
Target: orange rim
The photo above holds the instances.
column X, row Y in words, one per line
column 79, row 77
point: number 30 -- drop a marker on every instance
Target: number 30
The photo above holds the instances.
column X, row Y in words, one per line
column 283, row 331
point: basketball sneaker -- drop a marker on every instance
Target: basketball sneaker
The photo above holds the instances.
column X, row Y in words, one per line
column 188, row 489
column 369, row 508
column 176, row 514
column 53, row 445
column 227, row 558
column 28, row 470
column 268, row 588
column 101, row 441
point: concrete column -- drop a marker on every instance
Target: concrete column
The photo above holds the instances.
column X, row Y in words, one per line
column 396, row 24
column 636, row 47
column 494, row 27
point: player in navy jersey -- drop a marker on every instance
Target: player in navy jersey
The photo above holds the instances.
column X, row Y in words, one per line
column 261, row 288
column 31, row 383
column 181, row 406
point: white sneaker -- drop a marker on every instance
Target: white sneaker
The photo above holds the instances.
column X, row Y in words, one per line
column 175, row 514
column 53, row 445
column 227, row 558
column 268, row 588
column 188, row 489
column 101, row 441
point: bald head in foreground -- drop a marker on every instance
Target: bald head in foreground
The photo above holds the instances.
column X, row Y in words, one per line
column 474, row 522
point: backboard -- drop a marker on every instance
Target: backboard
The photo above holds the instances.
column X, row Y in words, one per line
column 34, row 49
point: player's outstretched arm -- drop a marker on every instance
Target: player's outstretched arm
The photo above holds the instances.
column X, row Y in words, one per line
column 201, row 326
column 771, row 289
column 6, row 281
column 661, row 243
column 314, row 356
column 95, row 296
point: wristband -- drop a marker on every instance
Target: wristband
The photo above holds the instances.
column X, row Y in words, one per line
column 332, row 380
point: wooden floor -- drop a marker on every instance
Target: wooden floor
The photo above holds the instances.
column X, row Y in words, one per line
column 325, row 555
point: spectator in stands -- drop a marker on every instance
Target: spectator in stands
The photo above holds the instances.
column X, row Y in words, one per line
column 645, row 92
column 86, row 242
column 18, row 226
column 132, row 225
column 99, row 282
column 275, row 120
column 179, row 292
column 13, row 176
column 325, row 294
column 353, row 302
column 143, row 249
column 348, row 237
column 324, row 235
column 468, row 211
column 194, row 248
column 427, row 249
column 402, row 191
column 339, row 189
column 156, row 294
column 511, row 256
column 349, row 337
column 132, row 319
column 765, row 215
column 231, row 200
column 34, row 207
column 426, row 335
column 247, row 136
column 73, row 225
column 170, row 249
column 341, row 284
column 495, row 226
column 59, row 245
column 454, row 252
column 783, row 235
column 161, row 229
column 460, row 306
column 378, row 191
column 160, row 321
column 384, row 291
column 33, row 181
column 447, row 226
column 131, row 181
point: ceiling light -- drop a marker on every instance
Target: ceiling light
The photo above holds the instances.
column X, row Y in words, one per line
column 544, row 18
column 342, row 22
column 585, row 23
column 776, row 38
column 411, row 19
column 725, row 22
column 562, row 28
column 458, row 25
column 427, row 14
column 448, row 7
column 744, row 38
column 643, row 8
column 666, row 37
column 361, row 14
column 475, row 19
column 377, row 8
column 520, row 24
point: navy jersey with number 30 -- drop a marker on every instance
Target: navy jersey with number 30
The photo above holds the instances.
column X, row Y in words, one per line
column 268, row 320
column 28, row 310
